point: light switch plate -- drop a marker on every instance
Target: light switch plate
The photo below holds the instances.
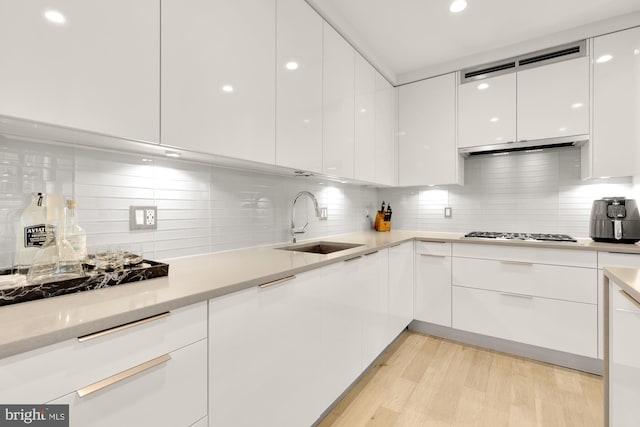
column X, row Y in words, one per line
column 448, row 212
column 143, row 218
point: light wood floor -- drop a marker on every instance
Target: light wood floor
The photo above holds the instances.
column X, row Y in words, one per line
column 428, row 381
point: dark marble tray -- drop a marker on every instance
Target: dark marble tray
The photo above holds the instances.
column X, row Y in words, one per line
column 93, row 280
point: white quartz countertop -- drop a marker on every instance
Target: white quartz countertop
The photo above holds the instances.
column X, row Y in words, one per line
column 627, row 278
column 29, row 325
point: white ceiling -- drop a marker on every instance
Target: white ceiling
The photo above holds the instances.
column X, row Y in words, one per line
column 407, row 39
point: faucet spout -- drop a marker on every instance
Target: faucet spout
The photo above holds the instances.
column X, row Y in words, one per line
column 294, row 230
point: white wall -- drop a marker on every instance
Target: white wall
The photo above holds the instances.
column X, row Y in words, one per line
column 200, row 208
column 520, row 192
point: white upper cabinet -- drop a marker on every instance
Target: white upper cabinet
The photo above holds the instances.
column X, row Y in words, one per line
column 553, row 100
column 218, row 77
column 299, row 86
column 386, row 106
column 427, row 132
column 85, row 65
column 338, row 102
column 616, row 104
column 365, row 116
column 487, row 111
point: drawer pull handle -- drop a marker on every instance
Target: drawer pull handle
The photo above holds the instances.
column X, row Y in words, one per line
column 517, row 263
column 353, row 259
column 630, row 298
column 371, row 253
column 434, row 255
column 395, row 246
column 276, row 282
column 85, row 391
column 508, row 294
column 123, row 327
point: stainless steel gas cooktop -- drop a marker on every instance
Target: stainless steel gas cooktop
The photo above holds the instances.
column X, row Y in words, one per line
column 538, row 237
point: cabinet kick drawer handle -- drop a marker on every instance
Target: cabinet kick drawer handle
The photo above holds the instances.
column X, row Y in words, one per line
column 508, row 294
column 123, row 327
column 85, row 391
column 353, row 259
column 276, row 282
column 517, row 263
column 434, row 255
column 630, row 298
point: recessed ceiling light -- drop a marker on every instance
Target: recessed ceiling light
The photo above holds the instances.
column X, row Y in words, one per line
column 562, row 129
column 493, row 119
column 55, row 17
column 227, row 88
column 577, row 105
column 363, row 110
column 483, row 86
column 604, row 58
column 291, row 65
column 172, row 153
column 636, row 51
column 306, row 121
column 458, row 6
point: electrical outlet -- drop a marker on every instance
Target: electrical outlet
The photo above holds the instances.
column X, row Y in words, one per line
column 143, row 218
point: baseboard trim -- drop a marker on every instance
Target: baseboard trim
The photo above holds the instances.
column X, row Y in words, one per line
column 573, row 361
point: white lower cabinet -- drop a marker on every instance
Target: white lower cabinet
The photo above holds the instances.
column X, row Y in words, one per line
column 526, row 295
column 84, row 373
column 624, row 358
column 172, row 393
column 432, row 302
column 280, row 355
column 544, row 322
column 400, row 287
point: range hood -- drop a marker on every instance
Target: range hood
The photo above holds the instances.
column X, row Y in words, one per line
column 526, row 146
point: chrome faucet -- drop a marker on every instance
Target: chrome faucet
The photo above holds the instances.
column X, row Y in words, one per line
column 295, row 231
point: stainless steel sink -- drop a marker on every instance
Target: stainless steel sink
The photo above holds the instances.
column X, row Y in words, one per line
column 321, row 247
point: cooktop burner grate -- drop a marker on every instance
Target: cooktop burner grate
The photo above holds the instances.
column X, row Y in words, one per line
column 540, row 237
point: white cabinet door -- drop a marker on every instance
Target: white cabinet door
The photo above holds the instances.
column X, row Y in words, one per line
column 98, row 70
column 433, row 283
column 427, row 132
column 616, row 104
column 338, row 105
column 553, row 100
column 400, row 288
column 218, row 77
column 487, row 111
column 365, row 115
column 372, row 275
column 299, row 86
column 298, row 342
column 385, row 131
column 544, row 322
column 173, row 393
column 624, row 358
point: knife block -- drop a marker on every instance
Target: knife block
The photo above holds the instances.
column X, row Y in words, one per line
column 380, row 224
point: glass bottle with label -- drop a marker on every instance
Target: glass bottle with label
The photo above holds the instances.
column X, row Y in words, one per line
column 32, row 232
column 73, row 233
column 56, row 260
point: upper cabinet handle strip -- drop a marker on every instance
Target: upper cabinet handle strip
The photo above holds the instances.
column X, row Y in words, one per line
column 353, row 259
column 276, row 282
column 371, row 253
column 517, row 263
column 123, row 327
column 85, row 391
column 395, row 246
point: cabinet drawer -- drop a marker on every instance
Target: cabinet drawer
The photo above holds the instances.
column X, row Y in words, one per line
column 173, row 393
column 550, row 281
column 433, row 248
column 559, row 325
column 49, row 372
column 576, row 258
column 612, row 259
